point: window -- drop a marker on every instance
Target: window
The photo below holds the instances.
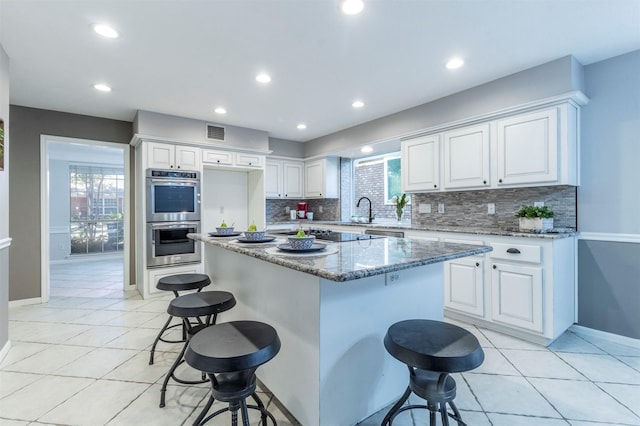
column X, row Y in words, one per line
column 379, row 179
column 97, row 209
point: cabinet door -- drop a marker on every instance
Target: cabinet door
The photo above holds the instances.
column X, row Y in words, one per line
column 187, row 158
column 250, row 160
column 528, row 148
column 421, row 164
column 292, row 179
column 516, row 295
column 464, row 285
column 154, row 275
column 160, row 156
column 466, row 157
column 222, row 158
column 314, row 178
column 273, row 179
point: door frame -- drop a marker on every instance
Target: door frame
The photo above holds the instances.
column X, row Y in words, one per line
column 44, row 210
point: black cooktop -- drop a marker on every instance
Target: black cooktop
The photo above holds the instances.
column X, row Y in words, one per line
column 337, row 237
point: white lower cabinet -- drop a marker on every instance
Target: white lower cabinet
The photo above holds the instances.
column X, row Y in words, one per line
column 464, row 285
column 516, row 295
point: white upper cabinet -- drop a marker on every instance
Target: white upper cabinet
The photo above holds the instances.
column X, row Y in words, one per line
column 421, row 164
column 522, row 147
column 284, row 179
column 321, row 178
column 466, row 157
column 168, row 156
column 528, row 148
column 249, row 160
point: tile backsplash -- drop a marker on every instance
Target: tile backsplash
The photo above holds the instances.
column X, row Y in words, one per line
column 461, row 208
column 469, row 208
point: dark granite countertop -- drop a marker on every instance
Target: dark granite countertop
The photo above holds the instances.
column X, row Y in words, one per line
column 352, row 260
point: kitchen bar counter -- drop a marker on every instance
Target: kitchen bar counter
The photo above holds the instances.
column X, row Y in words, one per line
column 355, row 259
column 331, row 313
column 405, row 226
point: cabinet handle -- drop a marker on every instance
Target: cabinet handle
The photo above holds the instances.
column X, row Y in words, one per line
column 484, row 182
column 500, row 180
column 513, row 251
column 477, row 264
column 178, row 166
column 495, row 267
column 172, row 166
column 250, row 164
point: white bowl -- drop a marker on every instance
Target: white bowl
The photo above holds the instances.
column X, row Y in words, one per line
column 254, row 235
column 301, row 243
column 224, row 231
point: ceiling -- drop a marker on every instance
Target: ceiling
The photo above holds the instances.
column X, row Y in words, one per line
column 186, row 57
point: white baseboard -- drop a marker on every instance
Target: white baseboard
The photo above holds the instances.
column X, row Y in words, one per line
column 5, row 350
column 24, row 302
column 615, row 338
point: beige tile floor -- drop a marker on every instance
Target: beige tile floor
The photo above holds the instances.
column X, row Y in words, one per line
column 82, row 359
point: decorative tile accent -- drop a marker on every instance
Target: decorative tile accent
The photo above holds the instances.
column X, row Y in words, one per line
column 276, row 209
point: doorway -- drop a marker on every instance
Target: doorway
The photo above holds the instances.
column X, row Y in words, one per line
column 85, row 219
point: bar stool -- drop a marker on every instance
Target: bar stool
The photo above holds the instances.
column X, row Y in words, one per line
column 175, row 284
column 230, row 353
column 431, row 350
column 207, row 304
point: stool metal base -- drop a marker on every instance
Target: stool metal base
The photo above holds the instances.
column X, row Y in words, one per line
column 438, row 389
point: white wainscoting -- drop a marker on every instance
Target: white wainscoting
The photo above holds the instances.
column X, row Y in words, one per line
column 4, row 243
column 613, row 237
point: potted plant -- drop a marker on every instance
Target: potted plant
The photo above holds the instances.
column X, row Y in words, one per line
column 535, row 218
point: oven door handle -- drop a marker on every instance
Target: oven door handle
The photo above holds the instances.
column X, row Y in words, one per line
column 173, row 182
column 176, row 225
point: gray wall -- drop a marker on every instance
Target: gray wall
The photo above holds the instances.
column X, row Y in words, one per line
column 609, row 198
column 286, row 148
column 27, row 124
column 4, row 201
column 550, row 79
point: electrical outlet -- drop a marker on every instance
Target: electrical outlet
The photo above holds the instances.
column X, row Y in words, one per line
column 538, row 204
column 287, row 209
column 491, row 208
column 392, row 277
column 440, row 207
column 424, row 208
column 320, row 209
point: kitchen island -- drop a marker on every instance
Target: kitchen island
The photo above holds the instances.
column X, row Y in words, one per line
column 331, row 311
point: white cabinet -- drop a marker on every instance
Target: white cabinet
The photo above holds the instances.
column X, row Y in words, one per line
column 168, row 156
column 466, row 157
column 284, row 179
column 153, row 275
column 516, row 295
column 230, row 159
column 321, row 178
column 464, row 285
column 528, row 148
column 421, row 164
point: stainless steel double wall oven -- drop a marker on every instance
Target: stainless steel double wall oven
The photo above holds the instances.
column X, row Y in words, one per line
column 173, row 211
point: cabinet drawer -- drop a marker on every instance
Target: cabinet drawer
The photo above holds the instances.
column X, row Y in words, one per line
column 517, row 252
column 250, row 160
column 217, row 157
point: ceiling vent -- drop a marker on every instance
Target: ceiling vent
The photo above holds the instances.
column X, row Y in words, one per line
column 215, row 132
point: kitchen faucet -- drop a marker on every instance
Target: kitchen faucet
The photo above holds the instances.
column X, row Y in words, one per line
column 358, row 205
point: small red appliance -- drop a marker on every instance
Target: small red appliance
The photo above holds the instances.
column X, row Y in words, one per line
column 303, row 209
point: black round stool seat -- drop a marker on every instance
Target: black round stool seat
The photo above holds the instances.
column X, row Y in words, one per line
column 229, row 353
column 431, row 350
column 182, row 282
column 201, row 304
column 176, row 284
column 434, row 346
column 204, row 306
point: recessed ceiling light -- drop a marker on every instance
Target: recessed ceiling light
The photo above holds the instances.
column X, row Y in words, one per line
column 105, row 31
column 366, row 149
column 263, row 78
column 102, row 87
column 301, row 126
column 220, row 110
column 454, row 63
column 352, row 7
column 357, row 104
